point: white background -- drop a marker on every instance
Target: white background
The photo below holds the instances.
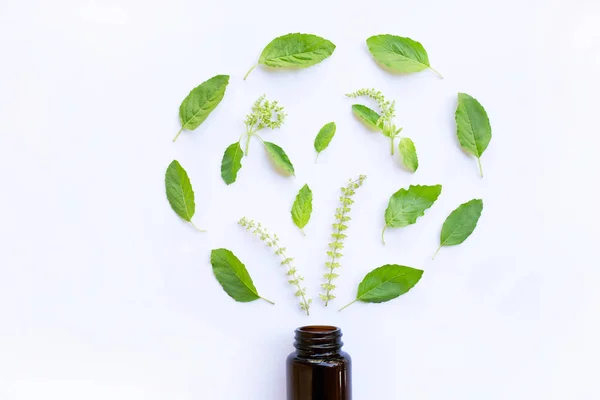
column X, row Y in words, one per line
column 106, row 294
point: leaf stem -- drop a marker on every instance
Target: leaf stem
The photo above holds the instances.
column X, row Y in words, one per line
column 302, row 230
column 178, row 133
column 317, row 158
column 251, row 69
column 480, row 168
column 392, row 145
column 436, row 72
column 267, row 300
column 349, row 304
column 199, row 230
column 436, row 252
column 247, row 148
column 382, row 234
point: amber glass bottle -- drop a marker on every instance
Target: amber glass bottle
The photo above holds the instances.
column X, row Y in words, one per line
column 319, row 369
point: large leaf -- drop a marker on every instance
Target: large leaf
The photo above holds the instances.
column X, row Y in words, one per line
column 179, row 192
column 324, row 137
column 400, row 54
column 408, row 152
column 231, row 163
column 406, row 205
column 302, row 207
column 233, row 276
column 295, row 50
column 386, row 283
column 201, row 101
column 472, row 126
column 367, row 115
column 279, row 157
column 461, row 223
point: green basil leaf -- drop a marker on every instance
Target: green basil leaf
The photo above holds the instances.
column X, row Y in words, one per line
column 386, row 283
column 408, row 152
column 201, row 101
column 400, row 54
column 324, row 137
column 231, row 163
column 179, row 192
column 368, row 116
column 233, row 276
column 406, row 205
column 295, row 50
column 279, row 157
column 302, row 207
column 460, row 223
column 472, row 126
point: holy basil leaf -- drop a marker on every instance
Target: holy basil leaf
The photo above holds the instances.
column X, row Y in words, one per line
column 324, row 137
column 302, row 207
column 386, row 283
column 179, row 192
column 295, row 50
column 279, row 157
column 472, row 126
column 233, row 276
column 408, row 152
column 400, row 54
column 367, row 115
column 460, row 223
column 406, row 205
column 231, row 163
column 201, row 101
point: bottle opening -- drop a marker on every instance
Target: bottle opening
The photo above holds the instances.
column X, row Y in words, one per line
column 318, row 329
column 318, row 340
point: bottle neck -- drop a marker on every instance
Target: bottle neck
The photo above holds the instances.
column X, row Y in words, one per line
column 318, row 341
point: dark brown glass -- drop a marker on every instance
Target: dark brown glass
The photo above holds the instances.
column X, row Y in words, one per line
column 319, row 369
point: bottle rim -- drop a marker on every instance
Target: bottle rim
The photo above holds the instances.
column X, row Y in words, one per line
column 318, row 339
column 316, row 329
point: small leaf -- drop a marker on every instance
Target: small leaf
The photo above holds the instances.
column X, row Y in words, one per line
column 233, row 276
column 367, row 115
column 279, row 157
column 232, row 162
column 324, row 137
column 386, row 283
column 400, row 54
column 461, row 223
column 201, row 101
column 408, row 152
column 295, row 50
column 472, row 126
column 406, row 205
column 179, row 192
column 302, row 207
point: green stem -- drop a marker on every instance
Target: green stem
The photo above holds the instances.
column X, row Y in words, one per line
column 267, row 300
column 317, row 158
column 178, row 133
column 281, row 251
column 251, row 69
column 436, row 252
column 392, row 145
column 382, row 234
column 349, row 304
column 247, row 148
column 302, row 230
column 480, row 168
column 436, row 72
column 333, row 257
column 199, row 230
